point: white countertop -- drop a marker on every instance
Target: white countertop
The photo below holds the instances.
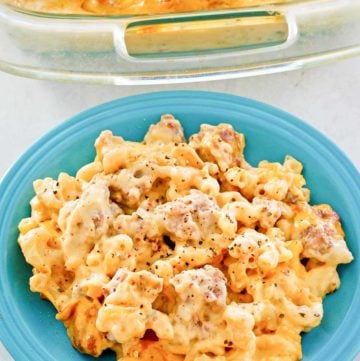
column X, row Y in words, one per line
column 327, row 97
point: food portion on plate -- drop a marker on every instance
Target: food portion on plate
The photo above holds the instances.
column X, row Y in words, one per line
column 134, row 7
column 173, row 250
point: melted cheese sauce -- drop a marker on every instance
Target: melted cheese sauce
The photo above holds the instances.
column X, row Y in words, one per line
column 176, row 251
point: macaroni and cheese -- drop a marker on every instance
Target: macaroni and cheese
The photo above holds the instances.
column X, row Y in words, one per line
column 182, row 251
column 134, row 7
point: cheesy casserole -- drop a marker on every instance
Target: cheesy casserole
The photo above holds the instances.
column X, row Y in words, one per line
column 172, row 251
column 134, row 7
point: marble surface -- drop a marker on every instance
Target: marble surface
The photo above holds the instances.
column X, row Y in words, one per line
column 326, row 97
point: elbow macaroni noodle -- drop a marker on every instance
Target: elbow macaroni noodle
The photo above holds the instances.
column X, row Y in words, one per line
column 167, row 250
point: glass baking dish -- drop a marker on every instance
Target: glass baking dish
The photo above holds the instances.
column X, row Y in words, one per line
column 178, row 47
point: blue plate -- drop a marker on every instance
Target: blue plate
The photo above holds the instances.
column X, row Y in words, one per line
column 27, row 324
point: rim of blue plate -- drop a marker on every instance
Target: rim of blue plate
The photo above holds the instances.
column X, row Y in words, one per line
column 14, row 338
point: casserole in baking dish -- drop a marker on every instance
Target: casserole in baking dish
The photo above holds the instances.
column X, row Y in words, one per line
column 105, row 46
column 132, row 7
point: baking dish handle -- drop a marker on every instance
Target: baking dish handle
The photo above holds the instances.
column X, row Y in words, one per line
column 207, row 35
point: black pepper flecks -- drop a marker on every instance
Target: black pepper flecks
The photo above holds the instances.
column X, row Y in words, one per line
column 169, row 242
